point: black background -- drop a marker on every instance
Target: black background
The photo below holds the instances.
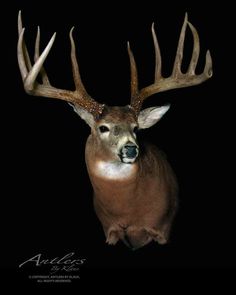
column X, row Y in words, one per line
column 47, row 197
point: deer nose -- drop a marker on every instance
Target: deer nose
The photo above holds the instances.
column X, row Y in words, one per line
column 130, row 150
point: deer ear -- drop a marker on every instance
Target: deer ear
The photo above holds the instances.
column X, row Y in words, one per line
column 150, row 116
column 85, row 115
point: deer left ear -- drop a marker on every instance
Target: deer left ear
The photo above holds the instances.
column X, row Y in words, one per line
column 150, row 116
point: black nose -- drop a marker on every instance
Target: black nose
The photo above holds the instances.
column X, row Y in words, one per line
column 131, row 151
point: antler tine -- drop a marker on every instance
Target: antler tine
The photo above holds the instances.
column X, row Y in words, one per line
column 179, row 53
column 208, row 72
column 21, row 57
column 134, row 73
column 196, row 50
column 75, row 68
column 29, row 74
column 37, row 44
column 177, row 78
column 36, row 56
column 24, row 49
column 86, row 102
column 158, row 63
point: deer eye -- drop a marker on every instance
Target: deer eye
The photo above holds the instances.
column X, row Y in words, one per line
column 103, row 129
column 135, row 130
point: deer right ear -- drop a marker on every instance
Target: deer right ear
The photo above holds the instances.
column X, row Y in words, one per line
column 150, row 116
column 85, row 115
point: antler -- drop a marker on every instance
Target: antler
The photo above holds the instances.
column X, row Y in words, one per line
column 177, row 78
column 29, row 74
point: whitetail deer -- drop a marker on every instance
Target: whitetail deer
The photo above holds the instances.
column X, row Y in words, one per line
column 135, row 190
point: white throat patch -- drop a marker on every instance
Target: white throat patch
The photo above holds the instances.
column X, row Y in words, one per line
column 113, row 170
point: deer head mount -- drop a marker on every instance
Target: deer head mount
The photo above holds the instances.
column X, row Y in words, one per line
column 135, row 191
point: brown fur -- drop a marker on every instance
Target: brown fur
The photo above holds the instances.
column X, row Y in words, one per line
column 137, row 209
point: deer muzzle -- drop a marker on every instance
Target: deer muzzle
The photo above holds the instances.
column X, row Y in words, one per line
column 129, row 152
